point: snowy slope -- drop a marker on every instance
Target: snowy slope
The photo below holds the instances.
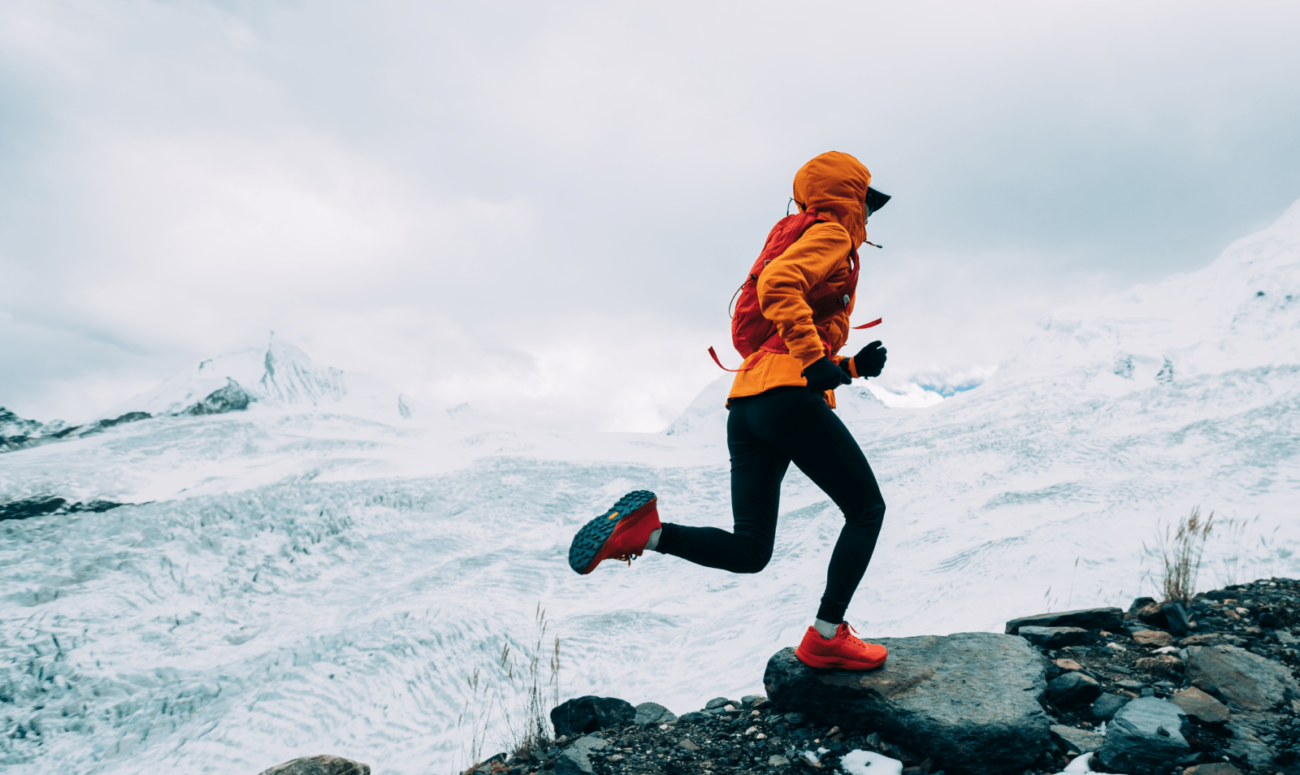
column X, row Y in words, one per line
column 305, row 582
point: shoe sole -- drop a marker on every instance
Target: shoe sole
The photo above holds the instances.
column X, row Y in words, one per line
column 835, row 663
column 590, row 540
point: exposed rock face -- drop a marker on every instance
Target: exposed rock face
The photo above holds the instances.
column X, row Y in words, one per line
column 1088, row 618
column 319, row 765
column 969, row 701
column 231, row 398
column 44, row 505
column 1143, row 735
column 1248, row 680
column 585, row 715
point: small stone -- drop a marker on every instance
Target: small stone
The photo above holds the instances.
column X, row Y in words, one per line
column 1177, row 618
column 1053, row 637
column 1213, row 768
column 779, row 761
column 1167, row 650
column 688, row 744
column 729, row 708
column 1067, row 665
column 319, row 765
column 1072, row 689
column 1161, row 665
column 1075, row 741
column 1115, row 647
column 1155, row 638
column 1270, row 620
column 1107, row 705
column 1201, row 706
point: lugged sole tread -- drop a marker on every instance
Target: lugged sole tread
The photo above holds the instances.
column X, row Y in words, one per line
column 593, row 535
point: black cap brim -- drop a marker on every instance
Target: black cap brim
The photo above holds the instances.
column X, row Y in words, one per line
column 876, row 200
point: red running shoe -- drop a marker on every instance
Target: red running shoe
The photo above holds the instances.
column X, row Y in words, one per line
column 619, row 534
column 844, row 651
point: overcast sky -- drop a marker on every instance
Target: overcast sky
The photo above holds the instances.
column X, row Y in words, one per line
column 544, row 208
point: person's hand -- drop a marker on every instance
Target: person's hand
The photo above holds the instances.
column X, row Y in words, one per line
column 870, row 360
column 825, row 375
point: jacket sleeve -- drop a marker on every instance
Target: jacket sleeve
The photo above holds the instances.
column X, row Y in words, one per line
column 784, row 284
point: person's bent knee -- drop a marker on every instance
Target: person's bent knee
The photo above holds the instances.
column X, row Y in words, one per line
column 753, row 563
column 872, row 516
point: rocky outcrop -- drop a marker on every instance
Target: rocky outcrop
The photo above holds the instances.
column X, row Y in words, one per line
column 231, row 398
column 968, row 701
column 46, row 505
column 319, row 765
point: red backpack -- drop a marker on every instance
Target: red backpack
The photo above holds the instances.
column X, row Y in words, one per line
column 750, row 331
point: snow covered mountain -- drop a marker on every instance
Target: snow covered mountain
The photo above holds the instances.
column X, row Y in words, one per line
column 281, row 376
column 291, row 582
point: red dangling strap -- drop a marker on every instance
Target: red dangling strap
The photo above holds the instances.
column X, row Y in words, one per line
column 872, row 324
column 724, row 368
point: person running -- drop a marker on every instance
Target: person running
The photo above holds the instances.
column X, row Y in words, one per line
column 781, row 412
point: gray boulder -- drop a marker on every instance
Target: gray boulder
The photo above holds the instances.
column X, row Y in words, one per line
column 653, row 713
column 1248, row 680
column 1088, row 618
column 584, row 715
column 968, row 701
column 319, row 765
column 1145, row 733
column 1053, row 637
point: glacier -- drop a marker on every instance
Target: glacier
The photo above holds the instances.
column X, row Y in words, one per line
column 322, row 571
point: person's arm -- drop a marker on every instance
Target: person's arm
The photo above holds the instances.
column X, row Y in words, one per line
column 784, row 284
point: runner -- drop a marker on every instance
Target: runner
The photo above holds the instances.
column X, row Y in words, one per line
column 791, row 319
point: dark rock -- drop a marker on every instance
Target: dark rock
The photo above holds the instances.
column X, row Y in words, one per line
column 1053, row 637
column 1248, row 680
column 1153, row 614
column 1140, row 603
column 718, row 702
column 1270, row 621
column 1107, row 705
column 319, row 765
column 1177, row 618
column 653, row 713
column 1162, row 664
column 970, row 701
column 796, row 718
column 693, row 717
column 45, row 505
column 750, row 700
column 1089, row 619
column 1072, row 690
column 231, row 398
column 1075, row 741
column 1145, row 733
column 588, row 714
column 1201, row 706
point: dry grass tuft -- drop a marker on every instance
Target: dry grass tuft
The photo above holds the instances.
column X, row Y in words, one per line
column 1180, row 549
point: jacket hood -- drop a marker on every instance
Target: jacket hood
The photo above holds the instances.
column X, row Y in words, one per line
column 835, row 185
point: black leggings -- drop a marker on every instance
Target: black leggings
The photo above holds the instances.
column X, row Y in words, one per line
column 764, row 434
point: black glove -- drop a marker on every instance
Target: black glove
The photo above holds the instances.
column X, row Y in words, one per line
column 870, row 360
column 825, row 375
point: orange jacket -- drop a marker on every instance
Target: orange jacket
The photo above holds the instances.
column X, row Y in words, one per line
column 835, row 185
